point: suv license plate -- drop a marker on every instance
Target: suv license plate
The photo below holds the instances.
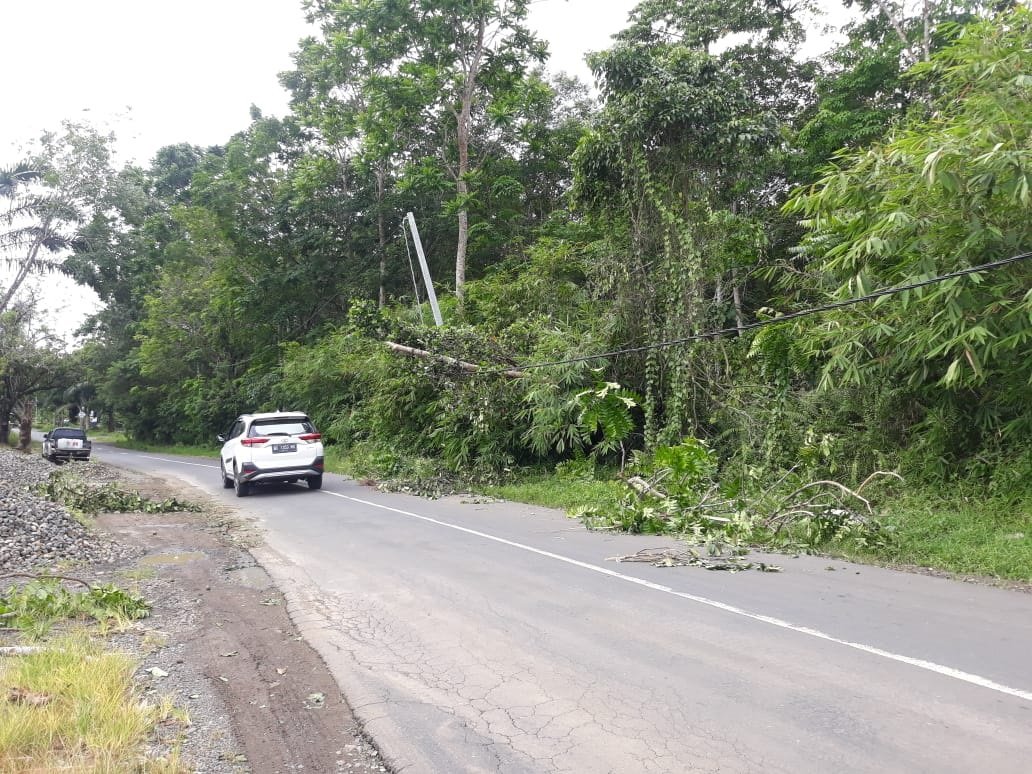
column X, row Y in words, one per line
column 281, row 448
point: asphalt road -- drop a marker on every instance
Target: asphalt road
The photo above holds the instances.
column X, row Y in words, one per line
column 474, row 637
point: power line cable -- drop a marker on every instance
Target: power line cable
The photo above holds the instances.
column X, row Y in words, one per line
column 773, row 321
column 412, row 271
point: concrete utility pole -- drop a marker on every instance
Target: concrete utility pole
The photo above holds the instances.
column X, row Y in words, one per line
column 425, row 269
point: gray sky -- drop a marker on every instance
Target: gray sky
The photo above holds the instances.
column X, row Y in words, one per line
column 158, row 72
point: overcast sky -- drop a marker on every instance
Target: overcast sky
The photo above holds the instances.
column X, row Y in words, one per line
column 158, row 72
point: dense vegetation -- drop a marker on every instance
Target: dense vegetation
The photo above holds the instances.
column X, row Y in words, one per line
column 718, row 179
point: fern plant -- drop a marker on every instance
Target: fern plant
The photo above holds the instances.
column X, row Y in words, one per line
column 606, row 413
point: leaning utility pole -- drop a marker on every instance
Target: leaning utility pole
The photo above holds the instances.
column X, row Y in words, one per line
column 425, row 269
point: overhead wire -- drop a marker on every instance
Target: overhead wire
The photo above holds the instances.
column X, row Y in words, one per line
column 412, row 271
column 717, row 333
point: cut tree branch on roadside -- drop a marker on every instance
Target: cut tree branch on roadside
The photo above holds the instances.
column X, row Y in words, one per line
column 644, row 488
column 401, row 349
column 790, row 508
column 731, row 560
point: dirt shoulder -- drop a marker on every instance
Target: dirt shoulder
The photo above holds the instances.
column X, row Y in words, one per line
column 260, row 699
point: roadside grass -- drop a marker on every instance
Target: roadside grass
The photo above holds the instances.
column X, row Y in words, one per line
column 548, row 490
column 346, row 464
column 960, row 534
column 35, row 607
column 954, row 533
column 68, row 702
column 369, row 461
column 119, row 440
column 957, row 532
column 72, row 706
column 103, row 436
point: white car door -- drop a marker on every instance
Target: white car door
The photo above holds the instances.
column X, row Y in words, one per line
column 229, row 448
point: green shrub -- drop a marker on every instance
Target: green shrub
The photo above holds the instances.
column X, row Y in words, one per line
column 36, row 606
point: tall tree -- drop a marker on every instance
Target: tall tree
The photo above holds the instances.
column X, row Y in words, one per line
column 39, row 225
column 28, row 227
column 438, row 65
column 31, row 361
column 332, row 111
column 863, row 91
column 47, row 198
column 684, row 161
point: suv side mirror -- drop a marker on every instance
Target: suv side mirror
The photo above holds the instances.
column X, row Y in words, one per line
column 220, row 438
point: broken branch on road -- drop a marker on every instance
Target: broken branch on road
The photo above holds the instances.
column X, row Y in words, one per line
column 729, row 561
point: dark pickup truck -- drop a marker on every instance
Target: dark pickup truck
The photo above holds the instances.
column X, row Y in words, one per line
column 66, row 443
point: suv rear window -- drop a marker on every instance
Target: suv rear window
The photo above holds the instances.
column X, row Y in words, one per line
column 68, row 432
column 281, row 426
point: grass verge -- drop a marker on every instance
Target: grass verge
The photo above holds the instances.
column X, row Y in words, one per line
column 73, row 707
column 67, row 702
column 961, row 534
column 955, row 532
column 119, row 440
column 33, row 608
column 551, row 491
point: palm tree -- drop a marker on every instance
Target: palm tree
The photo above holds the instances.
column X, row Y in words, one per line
column 30, row 224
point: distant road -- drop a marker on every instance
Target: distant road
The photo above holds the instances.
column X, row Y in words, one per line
column 497, row 637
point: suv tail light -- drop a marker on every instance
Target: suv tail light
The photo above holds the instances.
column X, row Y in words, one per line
column 310, row 437
column 254, row 441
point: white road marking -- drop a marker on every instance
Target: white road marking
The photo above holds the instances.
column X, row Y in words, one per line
column 165, row 459
column 930, row 666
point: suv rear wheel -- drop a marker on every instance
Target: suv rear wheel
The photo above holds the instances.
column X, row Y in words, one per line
column 243, row 488
column 315, row 482
column 227, row 482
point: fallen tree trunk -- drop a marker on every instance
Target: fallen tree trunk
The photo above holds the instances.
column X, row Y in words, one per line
column 401, row 349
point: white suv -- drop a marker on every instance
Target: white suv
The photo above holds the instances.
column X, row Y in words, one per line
column 281, row 446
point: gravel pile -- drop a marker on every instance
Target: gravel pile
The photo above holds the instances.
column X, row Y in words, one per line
column 35, row 532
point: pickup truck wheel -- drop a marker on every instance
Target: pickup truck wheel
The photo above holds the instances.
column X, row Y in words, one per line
column 315, row 482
